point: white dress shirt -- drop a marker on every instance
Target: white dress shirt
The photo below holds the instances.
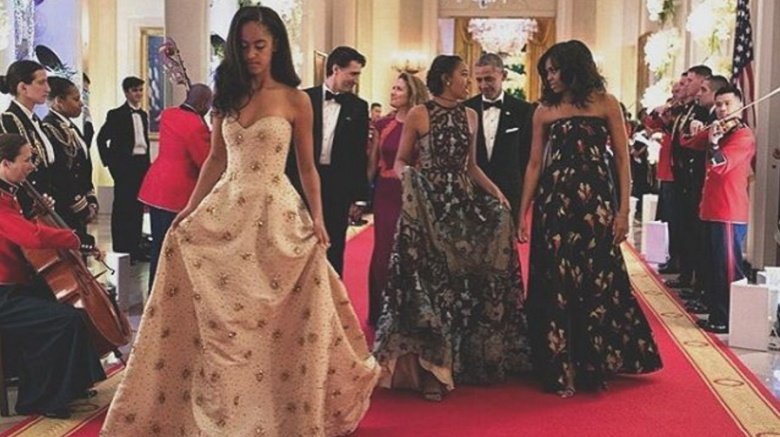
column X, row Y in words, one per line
column 138, row 128
column 49, row 158
column 490, row 118
column 330, row 116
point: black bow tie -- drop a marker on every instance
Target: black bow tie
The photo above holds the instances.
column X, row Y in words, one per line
column 488, row 105
column 339, row 98
column 137, row 111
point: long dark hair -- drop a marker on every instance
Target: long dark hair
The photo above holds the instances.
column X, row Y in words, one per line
column 442, row 66
column 10, row 146
column 578, row 72
column 232, row 81
column 18, row 72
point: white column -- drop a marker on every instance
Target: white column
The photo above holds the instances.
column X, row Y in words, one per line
column 762, row 249
column 186, row 21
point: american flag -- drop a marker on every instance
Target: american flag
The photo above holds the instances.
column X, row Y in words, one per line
column 742, row 61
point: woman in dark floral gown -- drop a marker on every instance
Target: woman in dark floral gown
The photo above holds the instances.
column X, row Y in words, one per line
column 450, row 308
column 584, row 322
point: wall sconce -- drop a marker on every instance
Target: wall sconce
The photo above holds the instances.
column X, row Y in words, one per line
column 409, row 62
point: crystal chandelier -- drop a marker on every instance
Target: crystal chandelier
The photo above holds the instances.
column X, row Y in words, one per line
column 502, row 35
column 483, row 4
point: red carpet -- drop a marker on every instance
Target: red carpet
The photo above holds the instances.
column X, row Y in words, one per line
column 673, row 402
column 677, row 401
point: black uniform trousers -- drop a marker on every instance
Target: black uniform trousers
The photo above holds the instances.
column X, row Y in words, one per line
column 48, row 347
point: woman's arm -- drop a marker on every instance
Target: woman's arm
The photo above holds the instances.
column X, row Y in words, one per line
column 304, row 155
column 415, row 126
column 532, row 171
column 619, row 141
column 476, row 173
column 210, row 173
column 373, row 152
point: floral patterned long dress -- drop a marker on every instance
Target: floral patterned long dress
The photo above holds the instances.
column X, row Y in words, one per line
column 582, row 315
column 454, row 289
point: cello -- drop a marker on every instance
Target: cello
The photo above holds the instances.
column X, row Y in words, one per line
column 72, row 283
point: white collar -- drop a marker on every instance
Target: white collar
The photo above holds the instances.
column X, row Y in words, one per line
column 24, row 109
column 500, row 98
column 134, row 108
column 326, row 88
column 60, row 116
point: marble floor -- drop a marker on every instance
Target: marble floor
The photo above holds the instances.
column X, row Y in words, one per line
column 764, row 365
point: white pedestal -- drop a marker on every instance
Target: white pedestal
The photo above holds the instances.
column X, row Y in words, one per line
column 649, row 207
column 655, row 238
column 751, row 314
column 631, row 214
column 121, row 280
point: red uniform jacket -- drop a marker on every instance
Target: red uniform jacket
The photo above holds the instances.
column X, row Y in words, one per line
column 664, row 169
column 725, row 194
column 184, row 146
column 16, row 232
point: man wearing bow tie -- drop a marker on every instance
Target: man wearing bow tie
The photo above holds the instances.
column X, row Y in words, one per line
column 504, row 136
column 340, row 136
column 123, row 143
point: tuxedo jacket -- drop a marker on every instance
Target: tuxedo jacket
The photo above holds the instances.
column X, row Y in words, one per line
column 348, row 155
column 72, row 170
column 116, row 138
column 15, row 121
column 511, row 149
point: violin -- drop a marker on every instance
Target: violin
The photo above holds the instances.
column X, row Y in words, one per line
column 72, row 283
column 729, row 124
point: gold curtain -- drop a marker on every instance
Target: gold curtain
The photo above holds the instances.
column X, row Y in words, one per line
column 543, row 39
column 468, row 49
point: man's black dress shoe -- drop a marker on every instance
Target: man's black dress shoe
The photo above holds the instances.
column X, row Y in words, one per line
column 668, row 268
column 715, row 328
column 59, row 413
column 689, row 294
column 679, row 283
column 696, row 307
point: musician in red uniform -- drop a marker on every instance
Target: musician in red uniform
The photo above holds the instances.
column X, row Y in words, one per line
column 48, row 344
column 725, row 204
column 184, row 146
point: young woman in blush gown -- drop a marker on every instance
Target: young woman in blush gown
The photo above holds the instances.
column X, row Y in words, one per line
column 249, row 331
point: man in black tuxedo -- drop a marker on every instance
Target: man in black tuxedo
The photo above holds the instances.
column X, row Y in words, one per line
column 340, row 136
column 504, row 137
column 123, row 143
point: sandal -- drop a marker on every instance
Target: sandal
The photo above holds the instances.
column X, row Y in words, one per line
column 432, row 389
column 566, row 393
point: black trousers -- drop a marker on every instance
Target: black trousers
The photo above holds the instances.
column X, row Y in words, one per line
column 723, row 255
column 668, row 212
column 161, row 222
column 335, row 211
column 127, row 212
column 48, row 346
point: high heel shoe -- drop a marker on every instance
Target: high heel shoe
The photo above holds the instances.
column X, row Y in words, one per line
column 566, row 392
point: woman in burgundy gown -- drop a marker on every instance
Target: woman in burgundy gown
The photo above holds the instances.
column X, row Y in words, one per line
column 407, row 91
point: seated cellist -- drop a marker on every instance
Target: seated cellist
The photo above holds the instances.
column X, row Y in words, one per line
column 52, row 353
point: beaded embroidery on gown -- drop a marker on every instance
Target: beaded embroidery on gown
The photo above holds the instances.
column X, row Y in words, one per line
column 248, row 330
